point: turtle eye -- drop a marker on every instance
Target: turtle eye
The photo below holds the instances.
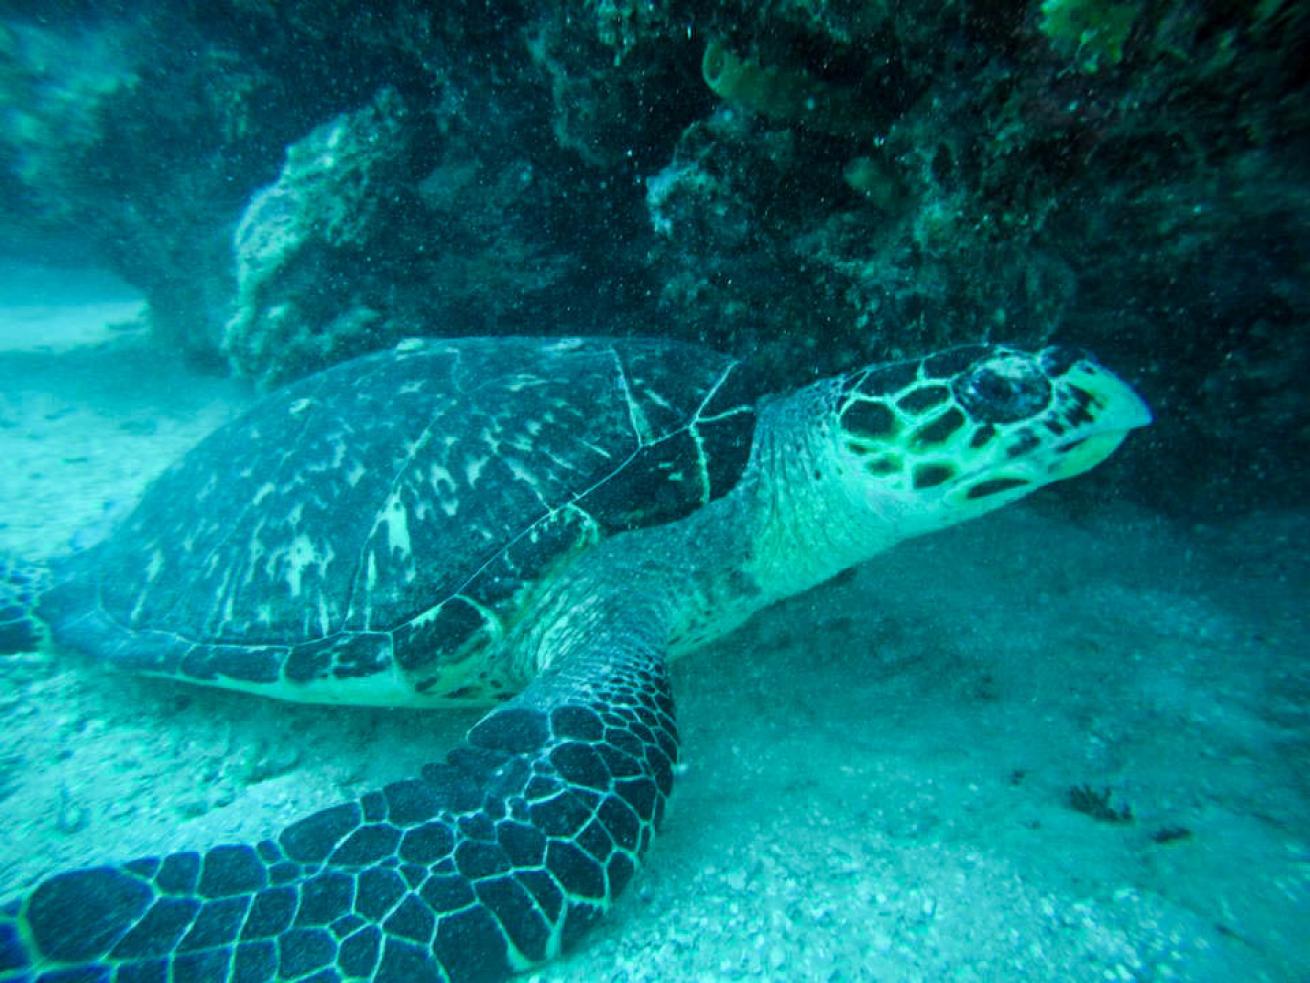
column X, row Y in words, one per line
column 1003, row 390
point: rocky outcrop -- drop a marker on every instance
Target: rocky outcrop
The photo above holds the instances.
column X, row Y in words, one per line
column 808, row 183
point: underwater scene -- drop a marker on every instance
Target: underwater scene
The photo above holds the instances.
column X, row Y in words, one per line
column 654, row 490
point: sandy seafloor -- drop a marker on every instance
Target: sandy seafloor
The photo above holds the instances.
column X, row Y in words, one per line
column 876, row 773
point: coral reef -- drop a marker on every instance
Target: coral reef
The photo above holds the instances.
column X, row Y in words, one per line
column 336, row 192
column 808, row 182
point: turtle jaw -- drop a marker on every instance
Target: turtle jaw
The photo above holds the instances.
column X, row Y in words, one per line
column 1116, row 409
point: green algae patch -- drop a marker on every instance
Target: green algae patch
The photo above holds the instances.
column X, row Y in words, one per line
column 788, row 95
column 1091, row 32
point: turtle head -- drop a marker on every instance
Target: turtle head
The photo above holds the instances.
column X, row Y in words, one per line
column 961, row 432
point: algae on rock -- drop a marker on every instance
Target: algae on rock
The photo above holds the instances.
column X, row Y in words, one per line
column 1092, row 32
column 788, row 95
column 326, row 202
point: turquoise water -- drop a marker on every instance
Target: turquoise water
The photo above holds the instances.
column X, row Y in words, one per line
column 1068, row 741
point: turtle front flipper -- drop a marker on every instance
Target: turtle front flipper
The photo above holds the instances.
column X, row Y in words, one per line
column 495, row 860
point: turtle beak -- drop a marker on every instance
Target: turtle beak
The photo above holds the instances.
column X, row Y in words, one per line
column 1114, row 410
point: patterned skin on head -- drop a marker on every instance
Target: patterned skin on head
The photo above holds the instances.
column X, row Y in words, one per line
column 975, row 427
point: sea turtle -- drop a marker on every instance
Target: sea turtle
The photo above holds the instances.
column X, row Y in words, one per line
column 536, row 525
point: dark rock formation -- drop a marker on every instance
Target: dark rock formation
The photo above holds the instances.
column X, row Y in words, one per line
column 808, row 183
